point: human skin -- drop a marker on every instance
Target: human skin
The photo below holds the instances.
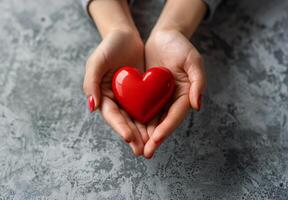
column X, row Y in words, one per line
column 168, row 45
column 121, row 45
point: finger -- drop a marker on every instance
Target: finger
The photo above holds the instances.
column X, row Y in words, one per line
column 175, row 115
column 143, row 131
column 137, row 145
column 194, row 68
column 95, row 70
column 113, row 116
column 195, row 94
column 151, row 126
column 157, row 120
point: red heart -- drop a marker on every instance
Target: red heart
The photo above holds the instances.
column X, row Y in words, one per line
column 143, row 96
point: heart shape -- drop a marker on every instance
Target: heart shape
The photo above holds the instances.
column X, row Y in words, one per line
column 143, row 96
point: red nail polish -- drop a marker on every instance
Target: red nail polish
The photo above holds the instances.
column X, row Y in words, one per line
column 199, row 102
column 91, row 103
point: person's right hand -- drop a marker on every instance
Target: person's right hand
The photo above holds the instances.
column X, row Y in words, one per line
column 118, row 48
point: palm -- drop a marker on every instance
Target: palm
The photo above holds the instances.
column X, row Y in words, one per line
column 171, row 52
column 175, row 52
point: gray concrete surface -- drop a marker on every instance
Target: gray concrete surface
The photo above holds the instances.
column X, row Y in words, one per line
column 52, row 148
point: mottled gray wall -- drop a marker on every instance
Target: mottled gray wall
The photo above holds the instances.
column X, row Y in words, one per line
column 52, row 148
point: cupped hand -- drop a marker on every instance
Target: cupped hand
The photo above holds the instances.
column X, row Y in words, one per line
column 174, row 51
column 118, row 48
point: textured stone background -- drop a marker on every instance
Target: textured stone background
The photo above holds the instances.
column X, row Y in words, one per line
column 52, row 148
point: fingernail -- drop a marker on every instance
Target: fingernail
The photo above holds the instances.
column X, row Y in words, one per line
column 91, row 103
column 199, row 102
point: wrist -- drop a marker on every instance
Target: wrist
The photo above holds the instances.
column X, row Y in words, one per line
column 162, row 38
column 112, row 15
column 158, row 31
column 182, row 16
column 129, row 35
column 129, row 31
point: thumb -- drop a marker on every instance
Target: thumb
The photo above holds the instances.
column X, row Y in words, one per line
column 196, row 93
column 95, row 70
column 195, row 71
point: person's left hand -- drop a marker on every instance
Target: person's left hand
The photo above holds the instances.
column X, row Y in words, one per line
column 174, row 51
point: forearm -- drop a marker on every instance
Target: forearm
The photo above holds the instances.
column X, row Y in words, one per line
column 112, row 15
column 181, row 15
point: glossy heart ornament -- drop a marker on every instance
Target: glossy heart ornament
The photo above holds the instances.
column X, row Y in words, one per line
column 143, row 96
